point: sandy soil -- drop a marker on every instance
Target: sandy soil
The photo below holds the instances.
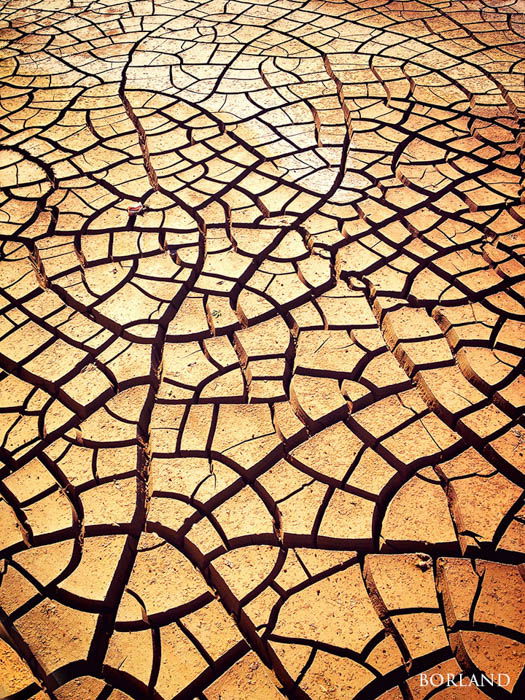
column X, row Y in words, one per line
column 261, row 341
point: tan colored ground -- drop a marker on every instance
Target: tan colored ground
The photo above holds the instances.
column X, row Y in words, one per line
column 262, row 438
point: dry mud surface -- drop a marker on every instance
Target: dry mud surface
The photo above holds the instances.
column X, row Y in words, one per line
column 263, row 438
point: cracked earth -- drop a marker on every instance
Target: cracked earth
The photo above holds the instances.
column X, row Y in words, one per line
column 261, row 348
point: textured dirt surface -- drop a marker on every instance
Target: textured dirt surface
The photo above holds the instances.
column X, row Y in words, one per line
column 261, row 434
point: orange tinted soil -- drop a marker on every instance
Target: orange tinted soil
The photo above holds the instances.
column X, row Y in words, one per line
column 261, row 339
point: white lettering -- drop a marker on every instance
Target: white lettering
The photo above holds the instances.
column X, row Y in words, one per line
column 503, row 675
column 439, row 680
column 502, row 679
